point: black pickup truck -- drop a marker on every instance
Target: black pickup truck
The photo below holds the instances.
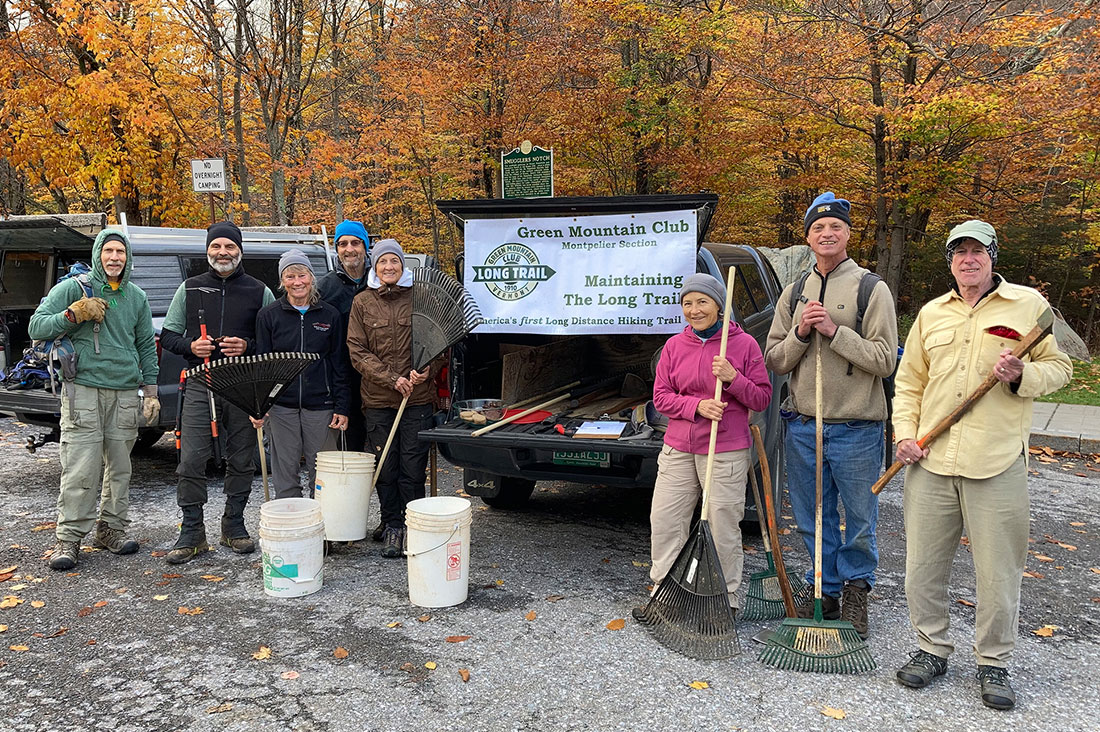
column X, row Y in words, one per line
column 503, row 465
column 36, row 251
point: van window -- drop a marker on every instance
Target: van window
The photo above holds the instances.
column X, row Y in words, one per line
column 263, row 268
column 754, row 285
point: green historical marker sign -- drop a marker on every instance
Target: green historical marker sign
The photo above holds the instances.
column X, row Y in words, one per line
column 527, row 172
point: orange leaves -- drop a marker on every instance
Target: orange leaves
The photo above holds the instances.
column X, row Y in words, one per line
column 617, row 624
column 464, row 674
column 530, row 616
column 456, row 638
column 1046, row 631
column 189, row 610
column 263, row 654
column 340, row 652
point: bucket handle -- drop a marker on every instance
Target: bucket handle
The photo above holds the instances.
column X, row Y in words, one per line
column 454, row 530
column 275, row 572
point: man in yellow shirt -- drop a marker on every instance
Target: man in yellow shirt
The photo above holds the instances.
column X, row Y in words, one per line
column 975, row 475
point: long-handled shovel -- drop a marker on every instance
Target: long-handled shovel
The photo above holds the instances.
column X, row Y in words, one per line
column 823, row 646
column 690, row 612
column 1043, row 327
column 770, row 594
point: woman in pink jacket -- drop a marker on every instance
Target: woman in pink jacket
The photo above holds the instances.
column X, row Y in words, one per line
column 684, row 392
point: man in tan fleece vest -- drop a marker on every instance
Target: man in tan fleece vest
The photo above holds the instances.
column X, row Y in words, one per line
column 855, row 358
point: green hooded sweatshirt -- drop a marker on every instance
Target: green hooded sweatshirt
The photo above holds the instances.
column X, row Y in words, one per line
column 127, row 355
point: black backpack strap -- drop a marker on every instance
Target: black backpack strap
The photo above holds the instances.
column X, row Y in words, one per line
column 796, row 291
column 867, row 285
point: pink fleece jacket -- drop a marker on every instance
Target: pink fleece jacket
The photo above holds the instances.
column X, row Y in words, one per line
column 684, row 378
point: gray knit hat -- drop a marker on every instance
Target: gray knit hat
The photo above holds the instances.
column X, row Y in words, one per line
column 292, row 257
column 706, row 284
column 387, row 246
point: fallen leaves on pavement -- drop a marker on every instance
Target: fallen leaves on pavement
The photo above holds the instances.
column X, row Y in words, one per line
column 465, row 674
column 189, row 610
column 263, row 654
column 967, row 603
column 555, row 598
column 10, row 601
column 212, row 578
column 340, row 652
column 394, row 624
column 457, row 638
column 101, row 603
column 1034, row 575
column 617, row 624
column 430, row 665
column 18, row 649
column 699, row 685
column 228, row 706
column 530, row 616
column 158, row 598
column 424, row 618
column 289, row 675
column 1046, row 631
column 834, row 713
column 37, row 604
column 45, row 527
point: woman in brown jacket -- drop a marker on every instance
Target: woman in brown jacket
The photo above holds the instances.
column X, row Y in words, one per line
column 380, row 346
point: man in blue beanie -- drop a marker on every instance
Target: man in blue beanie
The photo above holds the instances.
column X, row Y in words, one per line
column 858, row 348
column 338, row 288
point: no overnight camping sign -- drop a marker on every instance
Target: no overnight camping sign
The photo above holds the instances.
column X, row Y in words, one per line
column 580, row 275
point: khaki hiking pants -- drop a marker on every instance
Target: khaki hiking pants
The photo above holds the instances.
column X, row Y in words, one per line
column 98, row 430
column 679, row 485
column 995, row 514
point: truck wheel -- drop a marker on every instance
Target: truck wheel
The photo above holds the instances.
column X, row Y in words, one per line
column 514, row 493
column 147, row 438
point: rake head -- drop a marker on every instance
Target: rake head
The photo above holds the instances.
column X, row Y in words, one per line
column 251, row 383
column 443, row 314
column 763, row 597
column 690, row 613
column 817, row 646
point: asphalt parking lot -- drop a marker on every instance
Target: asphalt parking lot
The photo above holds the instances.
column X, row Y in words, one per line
column 131, row 643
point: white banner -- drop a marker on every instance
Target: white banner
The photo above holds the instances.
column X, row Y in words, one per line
column 579, row 275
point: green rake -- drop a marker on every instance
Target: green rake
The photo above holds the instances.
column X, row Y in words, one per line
column 764, row 598
column 818, row 645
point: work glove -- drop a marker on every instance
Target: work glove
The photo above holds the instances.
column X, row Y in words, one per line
column 150, row 404
column 89, row 308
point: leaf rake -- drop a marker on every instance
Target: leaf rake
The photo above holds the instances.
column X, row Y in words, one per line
column 252, row 383
column 817, row 645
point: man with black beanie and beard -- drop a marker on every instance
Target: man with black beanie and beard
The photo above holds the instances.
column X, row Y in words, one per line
column 226, row 301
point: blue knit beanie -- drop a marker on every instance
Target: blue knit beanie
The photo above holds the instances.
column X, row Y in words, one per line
column 347, row 227
column 827, row 205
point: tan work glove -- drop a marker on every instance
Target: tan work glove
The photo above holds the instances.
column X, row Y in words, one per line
column 150, row 404
column 89, row 308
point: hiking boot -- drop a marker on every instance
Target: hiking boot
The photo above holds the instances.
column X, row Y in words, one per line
column 853, row 606
column 64, row 555
column 379, row 532
column 996, row 691
column 830, row 607
column 113, row 540
column 187, row 548
column 639, row 615
column 921, row 669
column 239, row 544
column 394, row 543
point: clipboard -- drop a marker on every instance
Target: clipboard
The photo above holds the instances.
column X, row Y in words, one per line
column 603, row 429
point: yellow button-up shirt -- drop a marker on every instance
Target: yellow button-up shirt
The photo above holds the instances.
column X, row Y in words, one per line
column 948, row 354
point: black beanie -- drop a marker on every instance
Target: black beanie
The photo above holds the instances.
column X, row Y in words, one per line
column 224, row 229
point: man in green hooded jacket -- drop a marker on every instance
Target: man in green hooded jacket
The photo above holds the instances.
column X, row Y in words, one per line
column 112, row 336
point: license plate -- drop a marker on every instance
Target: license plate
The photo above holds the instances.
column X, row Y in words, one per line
column 584, row 458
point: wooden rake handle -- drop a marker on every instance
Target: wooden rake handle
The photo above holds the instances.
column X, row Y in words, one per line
column 718, row 391
column 1041, row 330
column 520, row 415
column 772, row 529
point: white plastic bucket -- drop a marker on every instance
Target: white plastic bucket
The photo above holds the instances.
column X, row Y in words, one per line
column 343, row 490
column 438, row 550
column 292, row 543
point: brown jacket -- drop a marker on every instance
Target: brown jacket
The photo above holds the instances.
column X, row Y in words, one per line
column 380, row 346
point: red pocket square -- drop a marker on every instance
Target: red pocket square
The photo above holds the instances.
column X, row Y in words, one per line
column 1002, row 331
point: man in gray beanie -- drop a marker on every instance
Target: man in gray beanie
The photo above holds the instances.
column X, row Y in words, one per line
column 975, row 475
column 858, row 347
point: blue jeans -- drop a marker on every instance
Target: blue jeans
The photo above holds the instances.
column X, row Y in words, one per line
column 853, row 461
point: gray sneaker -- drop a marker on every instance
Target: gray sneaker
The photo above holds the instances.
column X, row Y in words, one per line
column 997, row 693
column 64, row 555
column 113, row 540
column 394, row 544
column 921, row 669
